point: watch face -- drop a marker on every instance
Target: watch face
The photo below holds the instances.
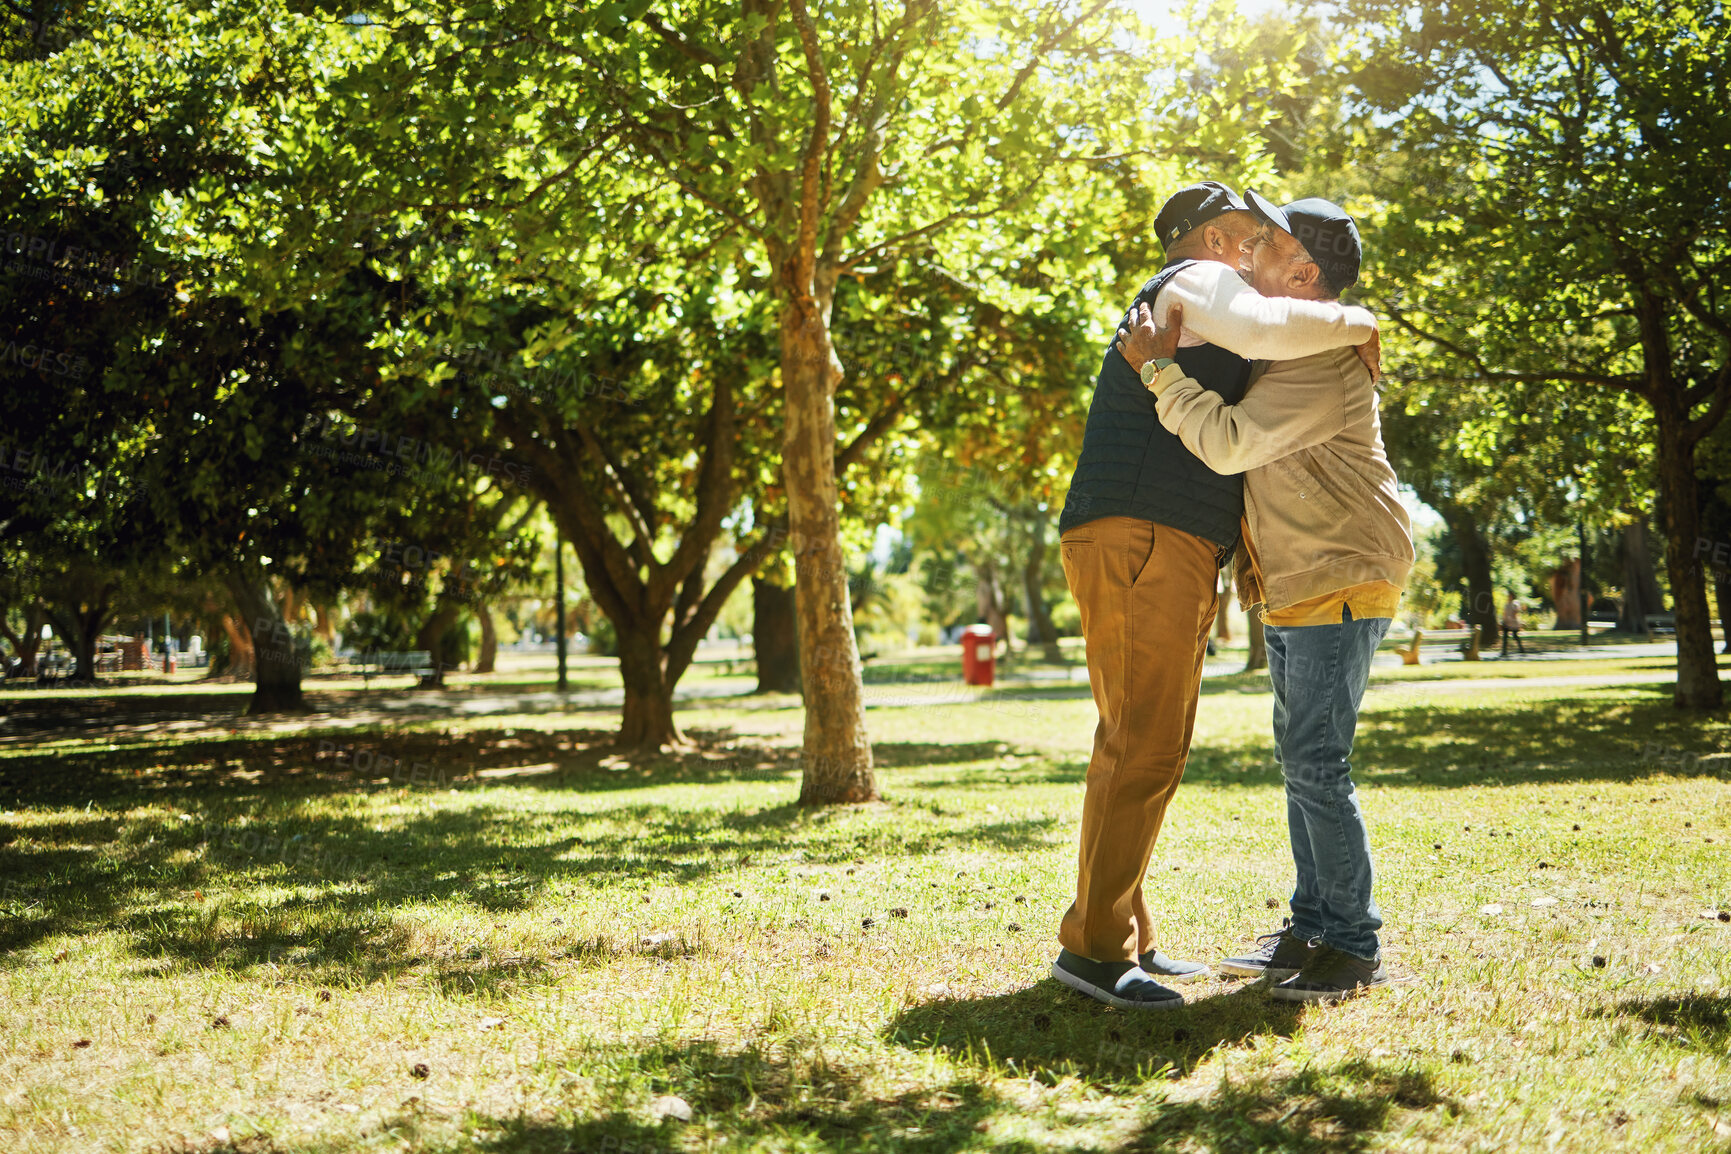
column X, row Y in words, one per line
column 1149, row 372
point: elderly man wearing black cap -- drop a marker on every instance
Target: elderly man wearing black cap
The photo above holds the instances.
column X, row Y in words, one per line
column 1145, row 529
column 1328, row 548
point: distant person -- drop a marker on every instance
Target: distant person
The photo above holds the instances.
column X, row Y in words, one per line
column 1512, row 625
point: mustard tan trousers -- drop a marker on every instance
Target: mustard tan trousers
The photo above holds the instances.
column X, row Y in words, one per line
column 1147, row 596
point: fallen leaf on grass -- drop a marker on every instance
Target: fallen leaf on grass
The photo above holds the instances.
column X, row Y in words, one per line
column 671, row 1106
column 419, row 1070
column 81, row 1044
column 489, row 1023
column 1544, row 901
column 1493, row 908
column 220, row 1134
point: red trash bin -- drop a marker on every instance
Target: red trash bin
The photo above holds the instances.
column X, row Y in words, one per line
column 979, row 646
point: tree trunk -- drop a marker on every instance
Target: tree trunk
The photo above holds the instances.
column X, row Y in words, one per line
column 1566, row 595
column 1041, row 628
column 1697, row 676
column 989, row 598
column 837, row 752
column 489, row 639
column 323, row 626
column 276, row 664
column 83, row 642
column 79, row 624
column 1258, row 640
column 1640, row 584
column 26, row 645
column 240, row 653
column 648, row 722
column 1222, row 622
column 774, row 636
column 446, row 612
column 1481, row 607
column 1258, row 658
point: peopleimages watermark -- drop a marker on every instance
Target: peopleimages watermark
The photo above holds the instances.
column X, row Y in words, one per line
column 56, row 362
column 1685, row 760
column 402, row 455
column 399, row 559
column 31, row 470
column 390, row 769
column 31, row 256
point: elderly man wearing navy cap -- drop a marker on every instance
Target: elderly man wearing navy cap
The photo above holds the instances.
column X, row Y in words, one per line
column 1145, row 529
column 1328, row 548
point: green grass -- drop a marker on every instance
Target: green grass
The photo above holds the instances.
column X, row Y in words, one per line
column 510, row 940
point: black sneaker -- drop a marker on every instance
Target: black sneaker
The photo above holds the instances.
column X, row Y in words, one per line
column 1121, row 984
column 1330, row 976
column 1277, row 956
column 1158, row 965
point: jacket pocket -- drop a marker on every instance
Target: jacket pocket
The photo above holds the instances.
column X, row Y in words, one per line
column 1322, row 483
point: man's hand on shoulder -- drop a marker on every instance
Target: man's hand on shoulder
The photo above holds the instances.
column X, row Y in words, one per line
column 1370, row 352
column 1143, row 343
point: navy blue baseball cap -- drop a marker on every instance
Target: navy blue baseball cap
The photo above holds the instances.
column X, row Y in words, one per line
column 1325, row 231
column 1192, row 207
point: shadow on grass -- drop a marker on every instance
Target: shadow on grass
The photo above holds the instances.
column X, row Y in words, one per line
column 1699, row 1021
column 790, row 1099
column 295, row 880
column 1051, row 1032
column 1316, row 1111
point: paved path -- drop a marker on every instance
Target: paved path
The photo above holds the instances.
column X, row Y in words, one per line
column 24, row 721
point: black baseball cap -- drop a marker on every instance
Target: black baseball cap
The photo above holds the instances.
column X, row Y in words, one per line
column 1192, row 207
column 1325, row 231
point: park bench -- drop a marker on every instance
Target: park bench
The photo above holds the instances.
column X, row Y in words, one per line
column 418, row 662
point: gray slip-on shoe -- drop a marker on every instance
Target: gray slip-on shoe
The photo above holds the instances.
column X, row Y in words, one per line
column 1124, row 985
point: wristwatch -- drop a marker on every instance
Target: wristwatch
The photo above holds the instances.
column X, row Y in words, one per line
column 1153, row 368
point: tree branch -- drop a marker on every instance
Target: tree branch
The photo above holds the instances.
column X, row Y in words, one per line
column 1628, row 383
column 811, row 167
column 681, row 43
column 715, row 491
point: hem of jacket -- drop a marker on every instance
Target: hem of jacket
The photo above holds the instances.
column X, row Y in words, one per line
column 1288, row 590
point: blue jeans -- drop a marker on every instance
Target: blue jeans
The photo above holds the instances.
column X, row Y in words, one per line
column 1319, row 674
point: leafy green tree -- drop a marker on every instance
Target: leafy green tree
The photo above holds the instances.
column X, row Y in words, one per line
column 827, row 145
column 1558, row 207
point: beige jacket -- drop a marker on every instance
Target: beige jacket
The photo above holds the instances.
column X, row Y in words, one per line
column 1320, row 500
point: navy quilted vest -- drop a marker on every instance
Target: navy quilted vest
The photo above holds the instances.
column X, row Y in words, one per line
column 1132, row 467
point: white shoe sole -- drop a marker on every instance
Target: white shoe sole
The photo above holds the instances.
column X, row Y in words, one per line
column 1100, row 994
column 1288, row 995
column 1178, row 979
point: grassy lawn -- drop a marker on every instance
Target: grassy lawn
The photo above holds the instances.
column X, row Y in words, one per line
column 490, row 934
